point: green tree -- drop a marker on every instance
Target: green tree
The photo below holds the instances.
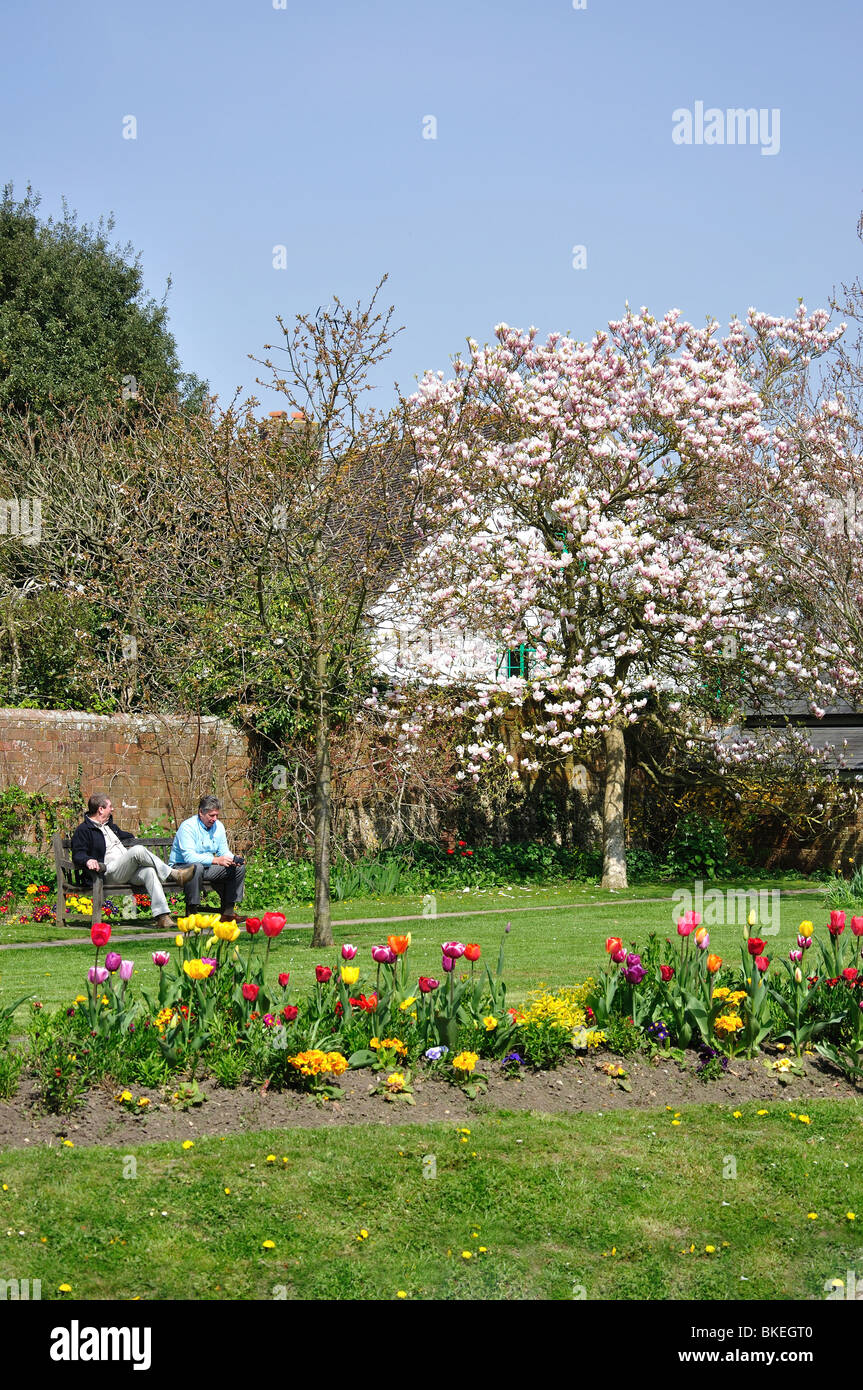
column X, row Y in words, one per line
column 75, row 322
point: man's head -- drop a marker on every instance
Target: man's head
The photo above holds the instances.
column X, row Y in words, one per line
column 208, row 810
column 99, row 808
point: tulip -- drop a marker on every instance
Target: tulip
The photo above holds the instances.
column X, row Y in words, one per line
column 427, row 984
column 472, row 951
column 752, row 918
column 350, row 974
column 857, row 926
column 273, row 922
column 126, row 968
column 348, row 952
column 634, row 974
column 250, row 992
column 100, row 933
column 804, row 942
column 226, row 931
column 112, row 961
column 796, row 955
column 160, row 958
column 667, row 972
column 253, row 925
column 798, row 975
column 283, row 979
column 837, row 923
column 323, row 973
column 633, row 959
column 713, row 964
column 213, row 964
column 289, row 1013
column 755, row 945
column 761, row 963
column 684, row 928
column 850, row 975
column 612, row 944
column 384, row 955
column 196, row 969
column 97, row 974
column 618, row 955
column 447, row 964
column 702, row 938
column 399, row 944
column 453, row 949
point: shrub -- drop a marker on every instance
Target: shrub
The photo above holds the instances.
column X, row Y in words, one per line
column 698, row 846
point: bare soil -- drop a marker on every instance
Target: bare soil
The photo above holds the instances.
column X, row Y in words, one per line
column 580, row 1085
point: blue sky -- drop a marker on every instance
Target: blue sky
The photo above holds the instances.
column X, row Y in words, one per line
column 303, row 127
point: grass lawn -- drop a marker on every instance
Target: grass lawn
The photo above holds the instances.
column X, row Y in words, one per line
column 608, row 1204
column 558, row 940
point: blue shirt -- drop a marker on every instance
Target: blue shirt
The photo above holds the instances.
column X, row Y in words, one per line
column 195, row 844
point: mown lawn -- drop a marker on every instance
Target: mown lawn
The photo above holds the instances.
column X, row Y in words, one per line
column 557, row 936
column 546, row 1206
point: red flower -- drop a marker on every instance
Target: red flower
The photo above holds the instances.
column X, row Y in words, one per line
column 471, row 951
column 339, row 1009
column 250, row 992
column 100, row 933
column 833, row 982
column 427, row 984
column 462, row 843
column 273, row 922
column 289, row 1013
column 253, row 925
column 450, row 851
column 283, row 980
column 857, row 926
column 368, row 1005
column 323, row 973
column 762, row 963
column 667, row 972
column 468, row 851
column 589, row 1014
column 849, row 975
column 755, row 946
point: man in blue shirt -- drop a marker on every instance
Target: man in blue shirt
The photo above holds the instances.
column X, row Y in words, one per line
column 201, row 841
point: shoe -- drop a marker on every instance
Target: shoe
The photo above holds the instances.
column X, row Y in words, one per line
column 164, row 923
column 181, row 874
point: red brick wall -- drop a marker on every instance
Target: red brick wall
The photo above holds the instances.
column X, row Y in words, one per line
column 152, row 767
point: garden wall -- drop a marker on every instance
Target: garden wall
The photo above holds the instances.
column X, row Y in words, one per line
column 153, row 767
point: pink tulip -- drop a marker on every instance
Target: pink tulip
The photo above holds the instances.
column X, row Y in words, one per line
column 160, row 958
column 348, row 952
column 453, row 949
column 126, row 968
column 384, row 955
column 684, row 928
column 447, row 964
column 97, row 974
column 857, row 926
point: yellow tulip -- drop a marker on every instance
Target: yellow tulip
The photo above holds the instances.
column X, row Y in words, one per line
column 350, row 974
column 229, row 931
column 197, row 969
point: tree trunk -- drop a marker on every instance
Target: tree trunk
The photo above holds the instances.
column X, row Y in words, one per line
column 613, row 830
column 323, row 932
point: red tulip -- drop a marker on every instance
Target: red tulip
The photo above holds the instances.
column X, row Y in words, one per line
column 755, row 946
column 100, row 933
column 273, row 922
column 322, row 974
column 850, row 975
column 283, row 980
column 289, row 1013
column 857, row 926
column 250, row 992
column 761, row 963
column 618, row 955
column 253, row 925
column 613, row 943
column 427, row 984
column 667, row 972
column 471, row 951
column 837, row 923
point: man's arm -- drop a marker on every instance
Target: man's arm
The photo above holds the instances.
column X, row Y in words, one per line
column 184, row 844
column 83, row 854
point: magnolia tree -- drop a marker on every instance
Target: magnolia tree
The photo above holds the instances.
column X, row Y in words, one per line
column 581, row 499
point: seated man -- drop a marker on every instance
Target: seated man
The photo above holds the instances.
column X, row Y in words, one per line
column 100, row 847
column 201, row 841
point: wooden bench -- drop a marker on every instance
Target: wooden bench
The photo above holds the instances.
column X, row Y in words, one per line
column 67, row 875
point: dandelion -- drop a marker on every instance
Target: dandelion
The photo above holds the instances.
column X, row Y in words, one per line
column 804, row 1119
column 268, row 1245
column 737, row 1114
column 850, row 1216
column 271, row 1158
column 188, row 1143
column 710, row 1249
column 467, row 1254
column 812, row 1216
column 762, row 1112
column 64, row 1288
column 401, row 1294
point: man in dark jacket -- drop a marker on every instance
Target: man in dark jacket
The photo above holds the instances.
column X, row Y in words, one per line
column 100, row 847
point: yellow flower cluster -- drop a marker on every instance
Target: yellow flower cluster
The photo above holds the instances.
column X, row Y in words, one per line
column 165, row 1018
column 207, row 921
column 317, row 1063
column 82, row 905
column 728, row 1023
column 587, row 1037
column 394, row 1044
column 733, row 997
column 396, row 1081
column 465, row 1061
column 562, row 1009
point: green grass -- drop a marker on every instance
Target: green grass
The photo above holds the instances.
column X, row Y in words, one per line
column 559, row 940
column 551, row 1197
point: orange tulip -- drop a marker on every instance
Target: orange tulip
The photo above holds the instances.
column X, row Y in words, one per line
column 700, row 933
column 471, row 951
column 399, row 944
column 713, row 963
column 613, row 943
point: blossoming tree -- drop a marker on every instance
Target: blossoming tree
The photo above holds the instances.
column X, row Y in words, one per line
column 581, row 501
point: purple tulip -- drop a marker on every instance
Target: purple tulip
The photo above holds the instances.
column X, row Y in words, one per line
column 384, row 955
column 508, row 927
column 634, row 974
column 453, row 949
column 447, row 964
column 126, row 968
column 160, row 958
column 97, row 974
column 804, row 942
column 348, row 952
column 209, row 960
column 633, row 959
column 113, row 961
column 702, row 942
column 795, row 955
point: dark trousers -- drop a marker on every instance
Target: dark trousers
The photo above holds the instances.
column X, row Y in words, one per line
column 228, row 883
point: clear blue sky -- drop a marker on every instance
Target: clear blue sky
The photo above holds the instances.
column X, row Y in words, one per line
column 303, row 127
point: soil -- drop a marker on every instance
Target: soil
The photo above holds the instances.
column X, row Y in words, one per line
column 578, row 1086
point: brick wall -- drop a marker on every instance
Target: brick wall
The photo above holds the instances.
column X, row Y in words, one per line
column 152, row 767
